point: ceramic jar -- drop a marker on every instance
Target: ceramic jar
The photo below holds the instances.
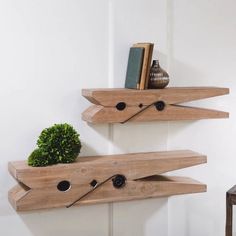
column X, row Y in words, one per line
column 159, row 78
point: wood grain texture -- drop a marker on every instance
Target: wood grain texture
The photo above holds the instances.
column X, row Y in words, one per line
column 158, row 186
column 110, row 97
column 99, row 114
column 105, row 100
column 38, row 185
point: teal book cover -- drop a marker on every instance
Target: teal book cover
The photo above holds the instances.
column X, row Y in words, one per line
column 134, row 68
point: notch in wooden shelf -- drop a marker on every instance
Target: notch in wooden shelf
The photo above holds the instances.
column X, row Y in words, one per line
column 103, row 179
column 122, row 105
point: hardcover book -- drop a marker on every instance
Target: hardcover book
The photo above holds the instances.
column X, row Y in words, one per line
column 134, row 68
column 147, row 58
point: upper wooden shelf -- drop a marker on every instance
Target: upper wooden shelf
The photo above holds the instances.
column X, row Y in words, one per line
column 123, row 105
column 102, row 179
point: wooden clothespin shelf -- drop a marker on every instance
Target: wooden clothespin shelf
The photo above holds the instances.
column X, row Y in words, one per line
column 122, row 105
column 102, row 179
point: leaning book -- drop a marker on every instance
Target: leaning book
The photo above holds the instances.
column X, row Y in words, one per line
column 147, row 57
column 134, row 68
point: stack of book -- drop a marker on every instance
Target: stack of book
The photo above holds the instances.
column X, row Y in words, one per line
column 139, row 63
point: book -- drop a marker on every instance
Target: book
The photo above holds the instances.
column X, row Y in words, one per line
column 147, row 58
column 134, row 67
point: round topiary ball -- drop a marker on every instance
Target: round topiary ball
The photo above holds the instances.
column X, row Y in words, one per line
column 60, row 143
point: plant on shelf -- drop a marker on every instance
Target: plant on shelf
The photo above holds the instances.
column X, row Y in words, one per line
column 59, row 143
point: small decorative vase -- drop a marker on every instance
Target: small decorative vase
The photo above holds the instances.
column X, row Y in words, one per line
column 159, row 78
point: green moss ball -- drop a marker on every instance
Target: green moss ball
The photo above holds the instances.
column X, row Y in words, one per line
column 59, row 143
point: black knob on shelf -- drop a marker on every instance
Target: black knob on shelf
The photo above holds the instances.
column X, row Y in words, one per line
column 120, row 106
column 119, row 181
column 160, row 105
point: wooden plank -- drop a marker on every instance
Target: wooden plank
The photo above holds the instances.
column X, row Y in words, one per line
column 132, row 97
column 175, row 112
column 158, row 186
column 136, row 104
column 99, row 114
column 38, row 185
column 133, row 166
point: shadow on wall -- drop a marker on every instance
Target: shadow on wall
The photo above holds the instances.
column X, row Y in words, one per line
column 70, row 222
column 206, row 215
column 141, row 217
column 181, row 74
column 142, row 136
column 87, row 150
column 137, row 136
column 162, row 57
column 80, row 220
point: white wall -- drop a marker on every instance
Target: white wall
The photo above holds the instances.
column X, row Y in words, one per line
column 203, row 53
column 51, row 49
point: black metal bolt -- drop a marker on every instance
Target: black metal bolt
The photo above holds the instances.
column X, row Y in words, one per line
column 120, row 106
column 119, row 181
column 160, row 105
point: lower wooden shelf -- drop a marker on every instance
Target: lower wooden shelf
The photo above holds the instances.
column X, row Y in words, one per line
column 102, row 179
